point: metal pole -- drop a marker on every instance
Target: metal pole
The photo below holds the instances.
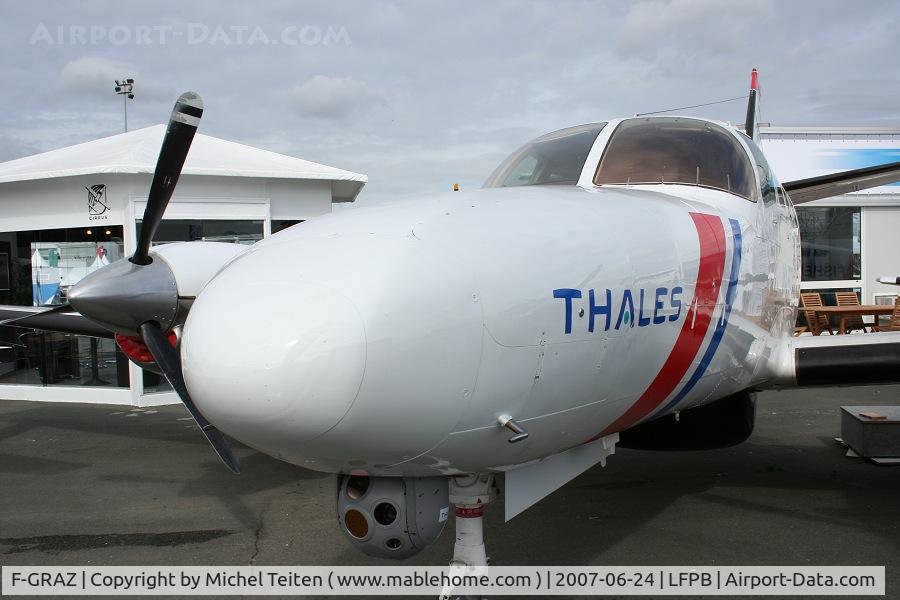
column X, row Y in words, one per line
column 125, row 88
column 95, row 366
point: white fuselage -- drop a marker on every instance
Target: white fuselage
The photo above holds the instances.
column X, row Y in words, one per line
column 389, row 339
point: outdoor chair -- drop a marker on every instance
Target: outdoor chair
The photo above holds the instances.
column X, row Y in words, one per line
column 851, row 322
column 894, row 323
column 816, row 323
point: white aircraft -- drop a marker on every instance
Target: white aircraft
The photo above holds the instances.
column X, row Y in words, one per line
column 630, row 282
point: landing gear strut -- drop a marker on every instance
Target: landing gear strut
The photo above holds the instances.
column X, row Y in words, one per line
column 469, row 494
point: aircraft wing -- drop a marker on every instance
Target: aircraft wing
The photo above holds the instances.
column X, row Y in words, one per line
column 65, row 322
column 835, row 184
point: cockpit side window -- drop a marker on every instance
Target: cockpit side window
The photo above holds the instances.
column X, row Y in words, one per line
column 767, row 180
column 553, row 159
column 676, row 150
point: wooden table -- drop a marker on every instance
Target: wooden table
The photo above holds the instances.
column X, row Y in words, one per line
column 842, row 312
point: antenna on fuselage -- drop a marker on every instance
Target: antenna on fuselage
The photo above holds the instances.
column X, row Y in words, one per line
column 750, row 122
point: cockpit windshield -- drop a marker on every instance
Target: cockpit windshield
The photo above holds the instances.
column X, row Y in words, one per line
column 553, row 159
column 676, row 150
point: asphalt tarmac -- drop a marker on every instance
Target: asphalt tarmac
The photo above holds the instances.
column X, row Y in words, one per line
column 108, row 485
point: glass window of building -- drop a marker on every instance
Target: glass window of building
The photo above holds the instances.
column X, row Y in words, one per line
column 831, row 243
column 676, row 150
column 553, row 159
column 208, row 230
column 4, row 267
column 37, row 268
column 282, row 224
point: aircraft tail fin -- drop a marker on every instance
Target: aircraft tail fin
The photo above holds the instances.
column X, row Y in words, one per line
column 750, row 122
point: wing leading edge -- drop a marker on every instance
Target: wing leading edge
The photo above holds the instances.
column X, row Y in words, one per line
column 49, row 320
column 835, row 184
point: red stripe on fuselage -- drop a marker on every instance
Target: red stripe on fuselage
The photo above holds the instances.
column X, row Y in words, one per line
column 693, row 330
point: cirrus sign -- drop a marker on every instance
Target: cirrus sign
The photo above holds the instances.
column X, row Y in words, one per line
column 96, row 200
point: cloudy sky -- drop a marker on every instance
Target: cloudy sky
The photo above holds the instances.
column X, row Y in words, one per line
column 419, row 95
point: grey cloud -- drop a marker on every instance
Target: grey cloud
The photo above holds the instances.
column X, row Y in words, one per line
column 334, row 97
column 91, row 74
column 427, row 94
column 656, row 26
column 96, row 75
column 13, row 148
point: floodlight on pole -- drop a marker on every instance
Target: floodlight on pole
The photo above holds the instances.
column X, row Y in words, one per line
column 125, row 88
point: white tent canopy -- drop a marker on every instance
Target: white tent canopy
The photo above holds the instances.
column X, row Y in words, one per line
column 136, row 152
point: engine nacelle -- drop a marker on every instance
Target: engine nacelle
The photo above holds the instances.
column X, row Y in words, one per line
column 726, row 422
column 392, row 517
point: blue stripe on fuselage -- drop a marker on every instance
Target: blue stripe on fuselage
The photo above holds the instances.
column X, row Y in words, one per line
column 720, row 326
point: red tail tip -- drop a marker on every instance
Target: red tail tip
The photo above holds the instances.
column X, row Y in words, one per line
column 754, row 80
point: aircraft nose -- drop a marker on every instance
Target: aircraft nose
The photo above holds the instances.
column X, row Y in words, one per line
column 273, row 363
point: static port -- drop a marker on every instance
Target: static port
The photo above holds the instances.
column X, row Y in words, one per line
column 393, row 544
column 357, row 486
column 385, row 513
column 356, row 524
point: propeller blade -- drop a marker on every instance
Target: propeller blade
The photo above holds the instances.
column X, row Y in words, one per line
column 176, row 143
column 170, row 363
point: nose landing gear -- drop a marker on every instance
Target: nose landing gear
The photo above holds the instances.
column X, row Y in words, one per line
column 469, row 494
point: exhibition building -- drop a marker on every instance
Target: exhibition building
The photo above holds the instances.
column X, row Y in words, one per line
column 70, row 211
